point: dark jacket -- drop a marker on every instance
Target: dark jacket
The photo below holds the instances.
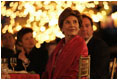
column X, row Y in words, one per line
column 100, row 56
column 7, row 53
column 38, row 58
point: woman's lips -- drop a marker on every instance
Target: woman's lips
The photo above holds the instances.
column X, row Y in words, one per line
column 72, row 29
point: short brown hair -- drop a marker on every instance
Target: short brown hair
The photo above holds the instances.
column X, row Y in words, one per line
column 85, row 16
column 68, row 12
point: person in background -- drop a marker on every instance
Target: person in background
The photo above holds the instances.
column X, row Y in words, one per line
column 8, row 46
column 36, row 57
column 108, row 32
column 8, row 41
column 64, row 61
column 97, row 49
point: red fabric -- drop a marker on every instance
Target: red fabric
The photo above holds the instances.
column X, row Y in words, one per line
column 24, row 76
column 67, row 64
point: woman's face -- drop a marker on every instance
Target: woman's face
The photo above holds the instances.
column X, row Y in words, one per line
column 28, row 41
column 8, row 40
column 70, row 26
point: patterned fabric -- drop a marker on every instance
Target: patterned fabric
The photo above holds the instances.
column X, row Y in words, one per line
column 67, row 61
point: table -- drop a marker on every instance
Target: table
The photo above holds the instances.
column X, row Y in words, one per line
column 24, row 76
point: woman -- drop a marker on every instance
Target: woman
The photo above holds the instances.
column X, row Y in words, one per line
column 64, row 61
column 37, row 58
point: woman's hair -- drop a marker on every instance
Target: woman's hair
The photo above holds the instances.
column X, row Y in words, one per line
column 3, row 35
column 69, row 12
column 22, row 32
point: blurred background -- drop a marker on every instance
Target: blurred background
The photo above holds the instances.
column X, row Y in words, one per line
column 42, row 17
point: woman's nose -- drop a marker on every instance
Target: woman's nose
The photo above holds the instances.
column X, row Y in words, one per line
column 31, row 40
column 72, row 24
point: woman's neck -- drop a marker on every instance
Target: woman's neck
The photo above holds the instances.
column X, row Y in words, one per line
column 28, row 50
column 68, row 38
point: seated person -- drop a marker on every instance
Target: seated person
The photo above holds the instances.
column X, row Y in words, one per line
column 63, row 63
column 97, row 49
column 8, row 46
column 36, row 56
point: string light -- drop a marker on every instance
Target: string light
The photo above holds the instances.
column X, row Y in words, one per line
column 94, row 28
column 35, row 14
column 115, row 18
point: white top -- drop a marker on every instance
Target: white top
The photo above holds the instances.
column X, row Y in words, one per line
column 89, row 39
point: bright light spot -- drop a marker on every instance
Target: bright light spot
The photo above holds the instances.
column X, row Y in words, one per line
column 91, row 12
column 15, row 38
column 95, row 18
column 38, row 45
column 42, row 29
column 106, row 7
column 115, row 18
column 18, row 27
column 96, row 2
column 53, row 22
column 35, row 14
column 114, row 15
column 5, row 29
column 94, row 28
column 103, row 13
column 34, row 34
column 99, row 15
column 10, row 29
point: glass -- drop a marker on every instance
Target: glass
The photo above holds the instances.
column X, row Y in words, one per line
column 4, row 61
column 4, row 65
column 13, row 62
column 26, row 64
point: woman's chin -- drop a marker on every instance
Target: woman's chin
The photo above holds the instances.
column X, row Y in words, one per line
column 74, row 34
column 71, row 36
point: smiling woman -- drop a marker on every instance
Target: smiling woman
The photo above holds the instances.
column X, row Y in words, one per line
column 70, row 27
column 64, row 61
column 69, row 23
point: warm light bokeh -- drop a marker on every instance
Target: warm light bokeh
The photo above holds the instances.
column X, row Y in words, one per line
column 42, row 16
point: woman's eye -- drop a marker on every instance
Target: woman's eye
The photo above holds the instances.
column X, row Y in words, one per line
column 67, row 22
column 74, row 21
column 26, row 39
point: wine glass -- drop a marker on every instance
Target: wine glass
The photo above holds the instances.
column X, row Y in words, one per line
column 26, row 64
column 4, row 64
column 4, row 68
column 13, row 62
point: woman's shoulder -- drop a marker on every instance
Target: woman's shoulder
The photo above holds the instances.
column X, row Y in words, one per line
column 79, row 40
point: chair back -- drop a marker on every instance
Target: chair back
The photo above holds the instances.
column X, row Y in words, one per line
column 84, row 67
column 114, row 68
